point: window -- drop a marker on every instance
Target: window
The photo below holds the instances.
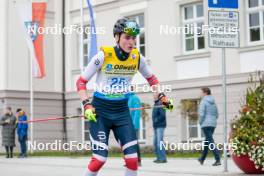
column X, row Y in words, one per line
column 192, row 128
column 253, row 3
column 142, row 132
column 255, row 20
column 193, row 21
column 86, row 40
column 141, row 38
column 189, row 109
column 144, row 116
column 2, row 105
column 85, row 126
column 86, row 131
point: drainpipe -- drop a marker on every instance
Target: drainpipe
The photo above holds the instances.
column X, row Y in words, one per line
column 63, row 76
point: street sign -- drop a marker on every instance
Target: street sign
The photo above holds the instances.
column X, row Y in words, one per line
column 223, row 29
column 223, row 17
column 228, row 4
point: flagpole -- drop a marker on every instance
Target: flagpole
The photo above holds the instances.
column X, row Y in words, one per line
column 31, row 101
column 81, row 56
column 81, row 36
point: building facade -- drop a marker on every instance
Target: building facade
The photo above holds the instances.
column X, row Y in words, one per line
column 181, row 60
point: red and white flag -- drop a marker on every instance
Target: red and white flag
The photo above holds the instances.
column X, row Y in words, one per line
column 32, row 15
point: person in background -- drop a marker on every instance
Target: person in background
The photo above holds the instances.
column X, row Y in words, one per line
column 22, row 132
column 159, row 125
column 208, row 115
column 134, row 102
column 8, row 121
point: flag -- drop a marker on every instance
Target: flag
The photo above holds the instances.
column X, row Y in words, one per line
column 32, row 17
column 93, row 40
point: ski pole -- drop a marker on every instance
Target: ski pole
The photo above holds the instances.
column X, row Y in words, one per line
column 80, row 116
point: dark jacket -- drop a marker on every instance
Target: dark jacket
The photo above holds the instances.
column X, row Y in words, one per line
column 8, row 130
column 158, row 116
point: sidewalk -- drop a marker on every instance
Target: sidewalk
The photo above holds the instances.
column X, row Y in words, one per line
column 65, row 166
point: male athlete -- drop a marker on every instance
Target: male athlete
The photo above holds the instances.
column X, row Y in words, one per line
column 115, row 68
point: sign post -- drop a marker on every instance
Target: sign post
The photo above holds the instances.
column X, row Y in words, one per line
column 224, row 107
column 223, row 20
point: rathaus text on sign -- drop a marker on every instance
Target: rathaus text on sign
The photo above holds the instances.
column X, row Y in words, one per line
column 224, row 29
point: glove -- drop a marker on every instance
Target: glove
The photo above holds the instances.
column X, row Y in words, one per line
column 89, row 111
column 168, row 103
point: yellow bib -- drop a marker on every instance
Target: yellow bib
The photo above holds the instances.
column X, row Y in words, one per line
column 113, row 66
column 115, row 76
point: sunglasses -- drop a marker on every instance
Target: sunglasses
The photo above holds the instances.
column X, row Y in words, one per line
column 132, row 29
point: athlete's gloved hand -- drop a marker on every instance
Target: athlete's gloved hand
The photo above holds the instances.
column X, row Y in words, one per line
column 89, row 111
column 168, row 103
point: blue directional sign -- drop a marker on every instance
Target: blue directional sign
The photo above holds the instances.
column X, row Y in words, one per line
column 229, row 4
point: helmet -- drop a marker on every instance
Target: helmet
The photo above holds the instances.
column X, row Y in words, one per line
column 127, row 26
